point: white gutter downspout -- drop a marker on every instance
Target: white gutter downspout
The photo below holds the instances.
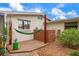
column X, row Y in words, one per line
column 5, row 22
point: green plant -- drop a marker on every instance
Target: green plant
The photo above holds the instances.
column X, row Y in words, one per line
column 74, row 53
column 69, row 38
column 2, row 51
column 4, row 35
column 3, row 41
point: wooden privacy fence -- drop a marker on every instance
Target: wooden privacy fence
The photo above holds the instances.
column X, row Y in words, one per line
column 50, row 36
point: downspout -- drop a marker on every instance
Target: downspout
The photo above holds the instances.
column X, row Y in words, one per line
column 5, row 19
column 45, row 40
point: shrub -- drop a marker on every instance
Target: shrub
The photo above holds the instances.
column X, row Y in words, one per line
column 69, row 38
column 3, row 41
column 2, row 51
column 74, row 53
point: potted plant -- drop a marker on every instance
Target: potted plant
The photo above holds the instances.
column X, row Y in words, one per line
column 15, row 44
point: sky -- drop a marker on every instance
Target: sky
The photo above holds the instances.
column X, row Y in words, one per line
column 54, row 11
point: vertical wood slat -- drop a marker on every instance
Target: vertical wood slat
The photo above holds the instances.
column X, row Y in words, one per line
column 40, row 36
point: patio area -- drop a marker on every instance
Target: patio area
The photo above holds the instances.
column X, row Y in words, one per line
column 51, row 49
column 26, row 46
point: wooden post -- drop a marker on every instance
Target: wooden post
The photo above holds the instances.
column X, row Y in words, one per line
column 45, row 40
column 10, row 33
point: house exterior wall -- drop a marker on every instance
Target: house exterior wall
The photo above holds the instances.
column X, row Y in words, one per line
column 1, row 24
column 56, row 26
column 35, row 22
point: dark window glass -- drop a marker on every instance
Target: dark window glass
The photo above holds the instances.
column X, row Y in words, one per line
column 71, row 25
column 24, row 24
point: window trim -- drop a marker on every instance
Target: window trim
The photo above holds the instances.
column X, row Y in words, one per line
column 74, row 25
column 23, row 24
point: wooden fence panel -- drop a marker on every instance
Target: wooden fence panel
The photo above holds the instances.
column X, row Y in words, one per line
column 50, row 35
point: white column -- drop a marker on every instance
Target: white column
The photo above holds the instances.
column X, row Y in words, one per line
column 5, row 22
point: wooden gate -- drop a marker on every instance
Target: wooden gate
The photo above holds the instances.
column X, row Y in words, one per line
column 50, row 35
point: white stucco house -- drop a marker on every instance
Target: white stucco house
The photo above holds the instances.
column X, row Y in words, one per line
column 22, row 21
column 63, row 24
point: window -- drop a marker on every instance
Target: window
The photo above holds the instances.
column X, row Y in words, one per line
column 24, row 24
column 71, row 25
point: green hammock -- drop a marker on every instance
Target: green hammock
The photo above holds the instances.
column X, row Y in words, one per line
column 26, row 33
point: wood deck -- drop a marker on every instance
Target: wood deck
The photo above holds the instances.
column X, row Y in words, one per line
column 26, row 46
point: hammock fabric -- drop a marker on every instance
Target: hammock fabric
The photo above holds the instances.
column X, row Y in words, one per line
column 26, row 33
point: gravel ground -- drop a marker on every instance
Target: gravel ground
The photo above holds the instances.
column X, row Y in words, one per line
column 53, row 49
